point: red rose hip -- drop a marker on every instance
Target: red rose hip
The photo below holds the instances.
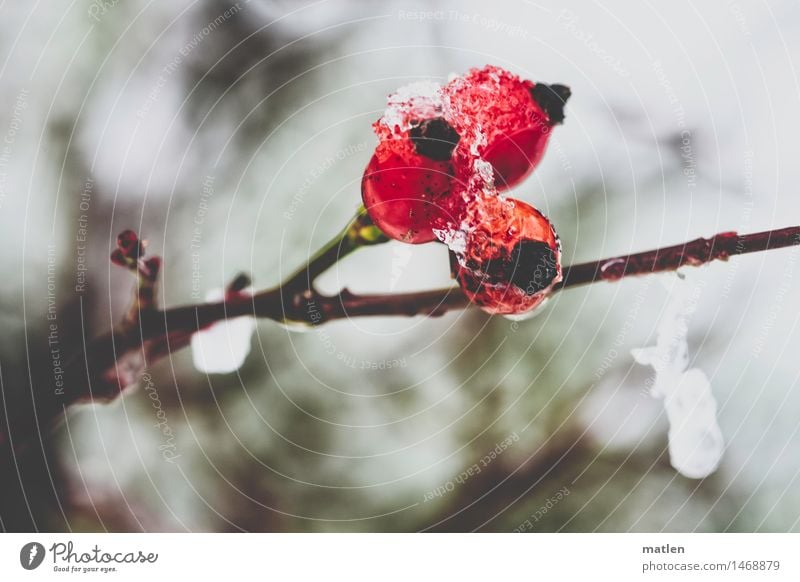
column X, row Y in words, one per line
column 512, row 258
column 409, row 176
column 506, row 120
column 408, row 179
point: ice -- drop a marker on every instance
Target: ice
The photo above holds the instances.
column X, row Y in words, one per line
column 419, row 100
column 455, row 239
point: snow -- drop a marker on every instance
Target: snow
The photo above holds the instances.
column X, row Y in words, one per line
column 695, row 439
column 223, row 347
column 421, row 99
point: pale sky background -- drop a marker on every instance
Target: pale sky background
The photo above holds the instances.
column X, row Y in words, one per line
column 683, row 123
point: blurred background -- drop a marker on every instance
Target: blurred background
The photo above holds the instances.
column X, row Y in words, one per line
column 233, row 135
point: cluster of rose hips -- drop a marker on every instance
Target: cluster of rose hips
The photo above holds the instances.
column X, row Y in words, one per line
column 445, row 156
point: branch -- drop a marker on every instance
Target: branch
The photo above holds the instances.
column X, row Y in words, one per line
column 693, row 253
column 115, row 360
column 297, row 300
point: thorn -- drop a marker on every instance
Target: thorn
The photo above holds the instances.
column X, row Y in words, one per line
column 239, row 283
column 345, row 294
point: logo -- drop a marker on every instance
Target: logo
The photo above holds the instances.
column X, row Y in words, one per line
column 31, row 555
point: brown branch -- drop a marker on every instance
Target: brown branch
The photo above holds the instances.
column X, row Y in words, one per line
column 692, row 253
column 297, row 301
column 113, row 361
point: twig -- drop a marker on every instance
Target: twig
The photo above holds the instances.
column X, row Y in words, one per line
column 297, row 301
column 693, row 253
column 111, row 362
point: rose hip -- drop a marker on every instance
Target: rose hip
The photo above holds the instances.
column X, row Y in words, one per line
column 443, row 156
column 407, row 180
column 506, row 120
column 511, row 259
column 410, row 174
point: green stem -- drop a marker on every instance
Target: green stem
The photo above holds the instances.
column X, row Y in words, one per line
column 360, row 232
